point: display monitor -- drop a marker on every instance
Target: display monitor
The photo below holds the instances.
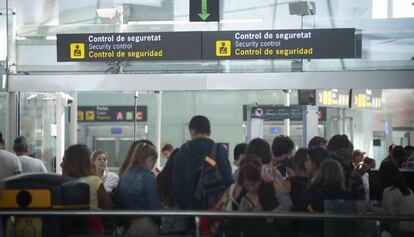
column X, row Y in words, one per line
column 333, row 98
column 307, row 97
column 366, row 99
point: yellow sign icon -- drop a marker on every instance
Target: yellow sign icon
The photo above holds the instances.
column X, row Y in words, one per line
column 81, row 116
column 223, row 48
column 77, row 50
column 90, row 115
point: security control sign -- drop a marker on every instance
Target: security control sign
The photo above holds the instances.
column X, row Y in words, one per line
column 280, row 44
column 280, row 112
column 129, row 46
column 271, row 44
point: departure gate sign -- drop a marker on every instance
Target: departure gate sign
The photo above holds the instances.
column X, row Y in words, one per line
column 111, row 114
column 271, row 44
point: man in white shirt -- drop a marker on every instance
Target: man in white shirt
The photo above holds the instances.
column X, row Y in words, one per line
column 29, row 164
column 9, row 164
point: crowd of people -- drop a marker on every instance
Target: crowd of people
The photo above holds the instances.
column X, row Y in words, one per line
column 263, row 177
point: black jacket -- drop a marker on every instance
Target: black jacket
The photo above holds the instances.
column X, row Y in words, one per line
column 187, row 164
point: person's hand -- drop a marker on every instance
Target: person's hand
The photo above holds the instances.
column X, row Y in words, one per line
column 267, row 173
column 279, row 175
column 236, row 175
column 278, row 185
column 270, row 173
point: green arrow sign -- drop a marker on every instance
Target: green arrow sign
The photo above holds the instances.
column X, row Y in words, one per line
column 204, row 14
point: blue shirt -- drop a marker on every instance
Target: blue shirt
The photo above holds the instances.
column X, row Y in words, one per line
column 137, row 190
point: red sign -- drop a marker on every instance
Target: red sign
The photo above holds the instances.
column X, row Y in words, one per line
column 139, row 116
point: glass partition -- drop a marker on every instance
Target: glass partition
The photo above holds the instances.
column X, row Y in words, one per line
column 371, row 130
column 38, row 124
column 384, row 32
column 3, row 110
column 342, row 221
column 3, row 32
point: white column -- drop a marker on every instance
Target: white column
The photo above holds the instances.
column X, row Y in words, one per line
column 286, row 122
column 60, row 137
column 254, row 125
column 390, row 9
column 74, row 119
column 11, row 130
column 136, row 94
column 388, row 131
column 343, row 121
column 310, row 123
column 12, row 98
column 158, row 95
column 11, row 38
column 363, row 130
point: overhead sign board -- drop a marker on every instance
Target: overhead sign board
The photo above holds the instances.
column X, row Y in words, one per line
column 280, row 44
column 280, row 112
column 271, row 44
column 204, row 10
column 111, row 113
column 129, row 46
column 368, row 99
column 333, row 98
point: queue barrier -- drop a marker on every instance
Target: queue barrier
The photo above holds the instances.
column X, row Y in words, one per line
column 289, row 216
column 42, row 192
column 52, row 205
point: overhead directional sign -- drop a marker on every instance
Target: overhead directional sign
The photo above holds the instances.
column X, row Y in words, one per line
column 129, row 46
column 280, row 44
column 207, row 45
column 111, row 113
column 333, row 98
column 280, row 112
column 204, row 10
column 369, row 99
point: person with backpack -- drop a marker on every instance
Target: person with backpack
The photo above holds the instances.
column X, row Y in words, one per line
column 202, row 170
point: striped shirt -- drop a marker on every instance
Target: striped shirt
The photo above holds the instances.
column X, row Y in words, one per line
column 9, row 164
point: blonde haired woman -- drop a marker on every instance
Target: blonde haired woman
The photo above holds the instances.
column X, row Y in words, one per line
column 328, row 185
column 100, row 167
column 137, row 189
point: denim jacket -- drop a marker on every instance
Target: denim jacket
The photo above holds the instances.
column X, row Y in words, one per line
column 137, row 190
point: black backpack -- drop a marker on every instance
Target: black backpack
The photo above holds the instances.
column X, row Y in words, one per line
column 209, row 187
